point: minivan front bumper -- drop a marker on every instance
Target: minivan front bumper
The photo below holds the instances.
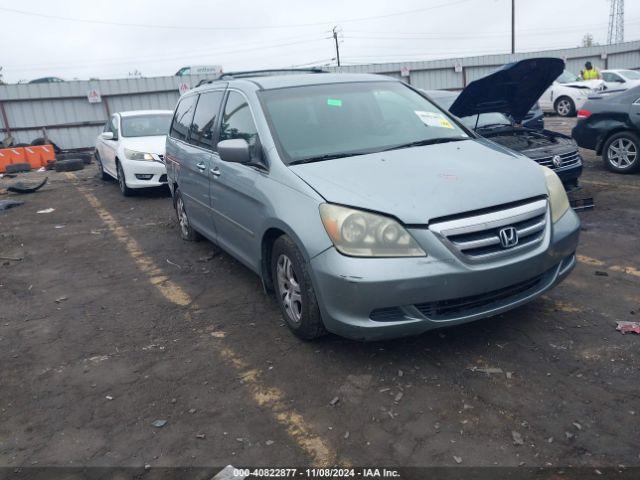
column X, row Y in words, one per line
column 379, row 298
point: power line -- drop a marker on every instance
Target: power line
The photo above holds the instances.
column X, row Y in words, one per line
column 252, row 27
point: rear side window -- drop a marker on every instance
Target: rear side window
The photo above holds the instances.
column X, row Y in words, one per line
column 182, row 117
column 204, row 119
column 237, row 121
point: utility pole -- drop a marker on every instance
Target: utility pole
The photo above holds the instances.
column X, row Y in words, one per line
column 513, row 26
column 335, row 38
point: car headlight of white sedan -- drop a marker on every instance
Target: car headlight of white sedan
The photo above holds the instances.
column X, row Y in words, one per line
column 134, row 155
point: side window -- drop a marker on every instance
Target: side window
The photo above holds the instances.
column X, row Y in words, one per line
column 237, row 121
column 204, row 119
column 182, row 117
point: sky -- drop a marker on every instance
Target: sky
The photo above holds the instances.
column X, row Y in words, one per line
column 115, row 38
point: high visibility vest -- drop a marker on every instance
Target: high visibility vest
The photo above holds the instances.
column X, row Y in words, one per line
column 592, row 74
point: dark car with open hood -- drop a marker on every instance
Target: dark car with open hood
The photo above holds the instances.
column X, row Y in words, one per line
column 496, row 106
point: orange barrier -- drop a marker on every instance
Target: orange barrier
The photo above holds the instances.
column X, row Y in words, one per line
column 47, row 154
column 33, row 156
column 17, row 155
column 5, row 159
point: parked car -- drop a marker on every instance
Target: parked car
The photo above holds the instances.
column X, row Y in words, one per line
column 200, row 70
column 620, row 79
column 370, row 211
column 567, row 94
column 47, row 80
column 495, row 106
column 131, row 149
column 610, row 125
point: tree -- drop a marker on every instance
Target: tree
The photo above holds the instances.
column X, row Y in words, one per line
column 587, row 40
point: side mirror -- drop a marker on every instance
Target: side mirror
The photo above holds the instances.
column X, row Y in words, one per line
column 235, row 150
column 106, row 135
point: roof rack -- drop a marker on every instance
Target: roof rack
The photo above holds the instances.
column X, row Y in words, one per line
column 255, row 73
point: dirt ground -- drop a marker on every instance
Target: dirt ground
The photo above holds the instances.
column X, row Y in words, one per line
column 109, row 322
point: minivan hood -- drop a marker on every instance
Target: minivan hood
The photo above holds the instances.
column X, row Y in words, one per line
column 418, row 184
column 154, row 144
column 512, row 90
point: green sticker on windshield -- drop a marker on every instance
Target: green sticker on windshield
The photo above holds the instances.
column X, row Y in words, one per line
column 334, row 102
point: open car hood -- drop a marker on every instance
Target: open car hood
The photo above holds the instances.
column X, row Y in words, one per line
column 512, row 90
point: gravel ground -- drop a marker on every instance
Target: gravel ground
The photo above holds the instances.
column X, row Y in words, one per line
column 109, row 322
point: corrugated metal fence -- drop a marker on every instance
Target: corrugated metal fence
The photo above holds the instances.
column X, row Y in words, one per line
column 70, row 119
column 73, row 122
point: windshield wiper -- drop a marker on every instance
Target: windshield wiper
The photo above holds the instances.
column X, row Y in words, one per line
column 322, row 158
column 494, row 125
column 429, row 141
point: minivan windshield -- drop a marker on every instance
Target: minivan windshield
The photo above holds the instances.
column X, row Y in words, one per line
column 322, row 122
column 568, row 77
column 145, row 125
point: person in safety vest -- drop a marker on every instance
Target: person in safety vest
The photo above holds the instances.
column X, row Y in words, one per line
column 589, row 72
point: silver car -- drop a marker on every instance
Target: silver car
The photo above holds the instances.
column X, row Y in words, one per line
column 368, row 210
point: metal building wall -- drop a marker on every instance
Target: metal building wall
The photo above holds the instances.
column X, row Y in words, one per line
column 72, row 122
column 64, row 110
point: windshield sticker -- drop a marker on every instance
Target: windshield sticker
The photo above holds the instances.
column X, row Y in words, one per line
column 334, row 102
column 433, row 119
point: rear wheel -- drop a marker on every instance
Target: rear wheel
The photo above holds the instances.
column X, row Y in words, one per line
column 621, row 153
column 565, row 107
column 294, row 291
column 186, row 230
column 122, row 181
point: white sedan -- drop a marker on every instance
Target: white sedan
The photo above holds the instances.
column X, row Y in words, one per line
column 567, row 94
column 620, row 79
column 131, row 149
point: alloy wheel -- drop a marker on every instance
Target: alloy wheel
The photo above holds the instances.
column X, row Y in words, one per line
column 622, row 153
column 289, row 289
column 182, row 217
column 121, row 181
column 564, row 108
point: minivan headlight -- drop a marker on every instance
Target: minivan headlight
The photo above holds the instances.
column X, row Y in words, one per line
column 557, row 194
column 133, row 155
column 362, row 234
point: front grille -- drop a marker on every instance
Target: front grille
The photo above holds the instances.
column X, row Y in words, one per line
column 570, row 159
column 476, row 237
column 446, row 309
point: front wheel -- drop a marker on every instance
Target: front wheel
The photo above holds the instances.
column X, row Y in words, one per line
column 294, row 291
column 101, row 173
column 565, row 107
column 620, row 153
column 122, row 181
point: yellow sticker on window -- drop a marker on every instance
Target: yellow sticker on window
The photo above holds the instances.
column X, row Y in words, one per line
column 433, row 119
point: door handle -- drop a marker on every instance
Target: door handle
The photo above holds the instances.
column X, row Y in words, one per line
column 201, row 166
column 215, row 171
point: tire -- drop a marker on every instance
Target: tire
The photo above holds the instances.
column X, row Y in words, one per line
column 186, row 230
column 122, row 181
column 622, row 162
column 101, row 173
column 17, row 167
column 68, row 165
column 294, row 290
column 565, row 107
column 18, row 145
column 84, row 156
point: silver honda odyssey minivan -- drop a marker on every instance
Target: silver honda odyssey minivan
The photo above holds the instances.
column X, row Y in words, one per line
column 365, row 208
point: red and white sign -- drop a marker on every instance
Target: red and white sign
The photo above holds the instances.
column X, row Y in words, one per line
column 183, row 87
column 405, row 71
column 94, row 96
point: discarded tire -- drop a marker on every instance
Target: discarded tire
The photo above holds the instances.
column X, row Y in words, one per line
column 17, row 167
column 84, row 156
column 69, row 165
column 17, row 145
